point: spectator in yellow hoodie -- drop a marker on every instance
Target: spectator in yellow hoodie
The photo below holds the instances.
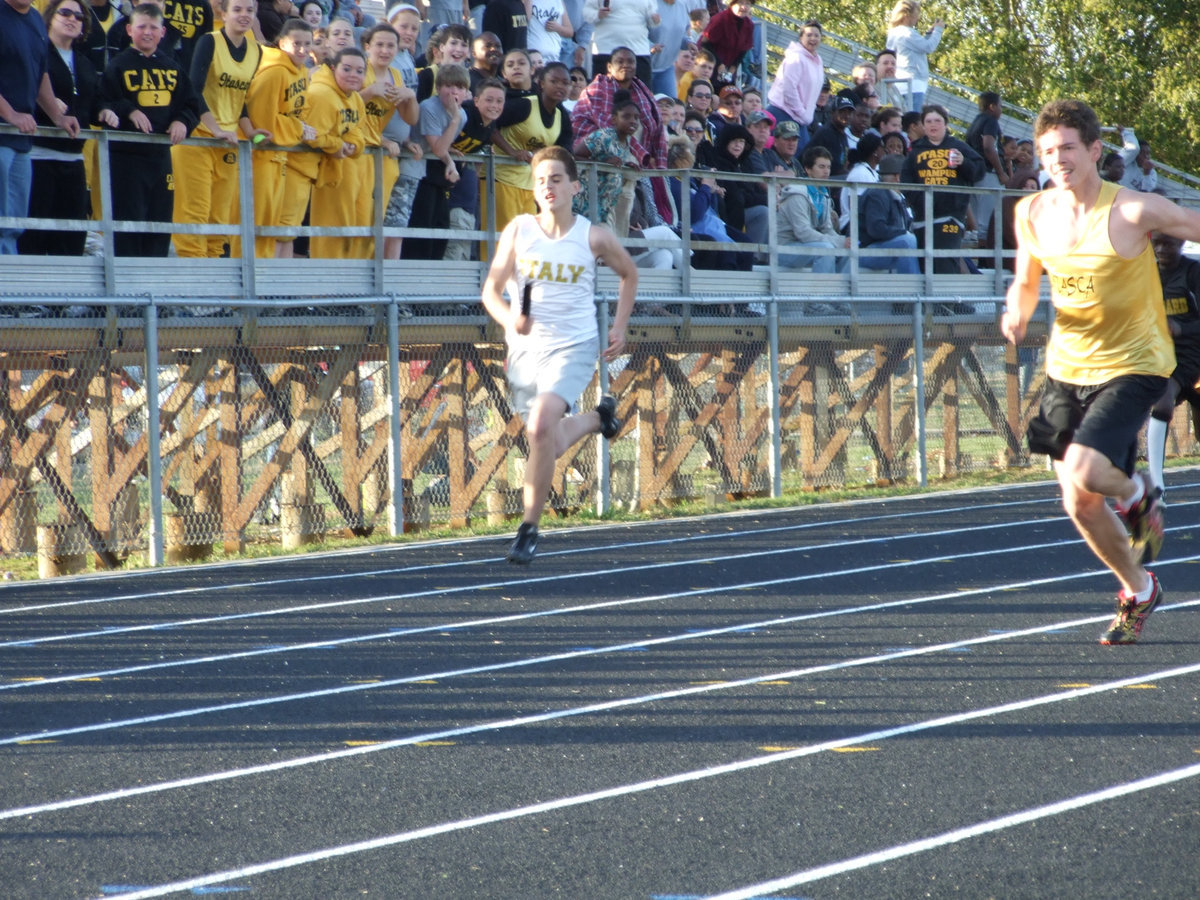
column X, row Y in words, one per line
column 335, row 109
column 384, row 94
column 276, row 99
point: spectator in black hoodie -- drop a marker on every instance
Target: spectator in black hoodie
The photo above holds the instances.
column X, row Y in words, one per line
column 938, row 158
column 745, row 207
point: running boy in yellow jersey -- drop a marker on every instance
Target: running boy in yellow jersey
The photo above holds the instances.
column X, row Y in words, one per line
column 276, row 100
column 553, row 339
column 1110, row 353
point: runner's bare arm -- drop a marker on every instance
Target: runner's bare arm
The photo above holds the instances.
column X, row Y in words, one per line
column 606, row 247
column 1152, row 212
column 1023, row 296
column 503, row 264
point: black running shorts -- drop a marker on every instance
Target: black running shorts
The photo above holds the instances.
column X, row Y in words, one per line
column 1106, row 417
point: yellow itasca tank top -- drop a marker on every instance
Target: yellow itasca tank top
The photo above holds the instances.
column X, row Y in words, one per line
column 1109, row 315
column 531, row 134
column 228, row 80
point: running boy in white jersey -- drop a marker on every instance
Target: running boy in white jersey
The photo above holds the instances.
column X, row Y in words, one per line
column 553, row 345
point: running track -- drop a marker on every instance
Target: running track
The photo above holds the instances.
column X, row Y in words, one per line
column 882, row 699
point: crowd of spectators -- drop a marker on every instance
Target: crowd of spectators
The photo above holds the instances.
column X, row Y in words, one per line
column 637, row 84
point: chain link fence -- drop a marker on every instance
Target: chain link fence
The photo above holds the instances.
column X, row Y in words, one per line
column 164, row 430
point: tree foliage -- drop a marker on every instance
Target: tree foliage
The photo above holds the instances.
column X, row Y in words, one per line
column 1135, row 62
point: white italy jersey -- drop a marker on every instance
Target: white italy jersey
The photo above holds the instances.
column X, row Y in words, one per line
column 562, row 273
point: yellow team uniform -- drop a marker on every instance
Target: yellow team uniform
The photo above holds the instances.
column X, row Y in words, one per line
column 514, row 184
column 276, row 102
column 362, row 169
column 1110, row 319
column 337, row 118
column 206, row 178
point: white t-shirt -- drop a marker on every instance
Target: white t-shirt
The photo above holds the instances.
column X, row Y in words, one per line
column 548, row 43
column 628, row 24
column 563, row 275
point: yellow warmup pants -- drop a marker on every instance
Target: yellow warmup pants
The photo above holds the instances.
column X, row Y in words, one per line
column 510, row 203
column 206, row 192
column 343, row 206
column 270, row 176
column 297, row 195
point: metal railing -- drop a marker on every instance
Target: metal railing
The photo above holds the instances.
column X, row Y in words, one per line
column 249, row 278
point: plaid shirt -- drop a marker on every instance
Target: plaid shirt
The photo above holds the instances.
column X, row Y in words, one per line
column 594, row 111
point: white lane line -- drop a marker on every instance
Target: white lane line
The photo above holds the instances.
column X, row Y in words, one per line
column 452, row 626
column 111, row 725
column 333, row 555
column 472, row 623
column 570, row 712
column 960, row 834
column 625, row 546
column 507, row 583
column 626, row 790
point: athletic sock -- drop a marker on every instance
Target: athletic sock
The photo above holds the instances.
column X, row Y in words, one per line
column 1143, row 595
column 1156, row 450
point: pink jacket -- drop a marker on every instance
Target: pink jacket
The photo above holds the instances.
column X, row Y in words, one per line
column 797, row 83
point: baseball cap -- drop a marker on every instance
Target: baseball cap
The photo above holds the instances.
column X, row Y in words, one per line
column 787, row 129
column 759, row 116
column 892, row 164
column 728, row 91
column 659, row 98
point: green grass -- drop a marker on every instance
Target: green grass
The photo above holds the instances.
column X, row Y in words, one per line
column 25, row 567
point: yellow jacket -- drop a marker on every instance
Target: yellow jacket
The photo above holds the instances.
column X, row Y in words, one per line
column 337, row 118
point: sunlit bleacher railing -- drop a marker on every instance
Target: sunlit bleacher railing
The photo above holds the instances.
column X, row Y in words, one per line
column 168, row 409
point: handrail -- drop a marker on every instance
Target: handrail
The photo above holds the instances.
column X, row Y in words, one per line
column 686, row 244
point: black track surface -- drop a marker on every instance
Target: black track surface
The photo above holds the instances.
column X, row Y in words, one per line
column 886, row 699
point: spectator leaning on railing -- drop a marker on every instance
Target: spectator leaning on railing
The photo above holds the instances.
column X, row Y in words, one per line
column 206, row 178
column 59, row 185
column 384, row 97
column 144, row 90
column 24, row 85
column 336, row 111
column 610, row 145
column 526, row 125
column 276, row 99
